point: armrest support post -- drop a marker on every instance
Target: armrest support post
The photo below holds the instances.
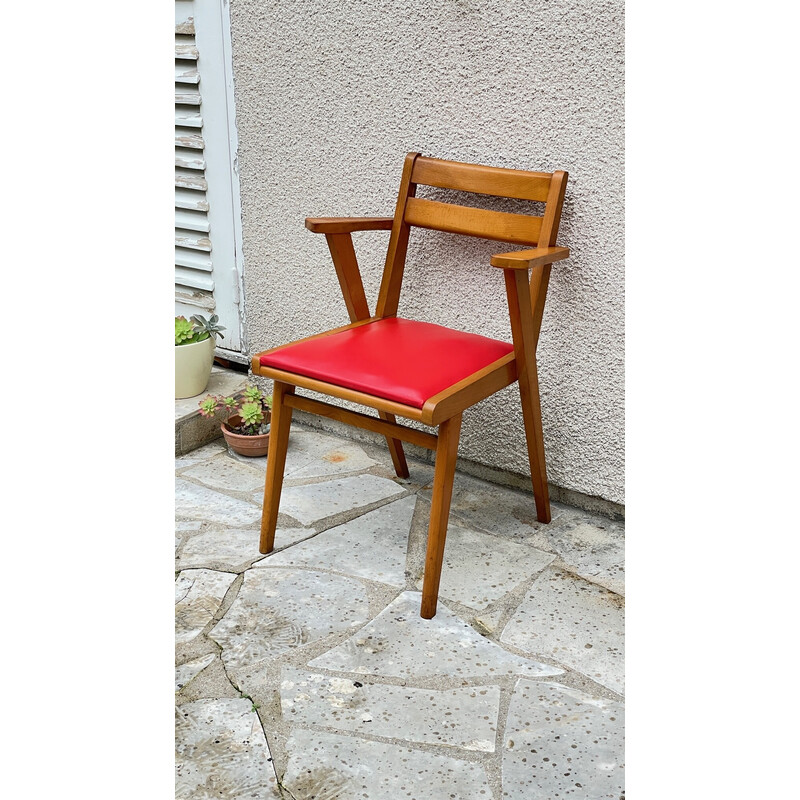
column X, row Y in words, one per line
column 344, row 262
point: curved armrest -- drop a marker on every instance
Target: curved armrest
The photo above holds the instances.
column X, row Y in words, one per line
column 348, row 224
column 525, row 259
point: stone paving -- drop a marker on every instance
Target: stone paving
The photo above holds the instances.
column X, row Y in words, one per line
column 308, row 674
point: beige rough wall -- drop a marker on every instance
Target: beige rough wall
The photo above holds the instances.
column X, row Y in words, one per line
column 331, row 95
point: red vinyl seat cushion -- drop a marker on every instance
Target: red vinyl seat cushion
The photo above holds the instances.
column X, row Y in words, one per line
column 393, row 358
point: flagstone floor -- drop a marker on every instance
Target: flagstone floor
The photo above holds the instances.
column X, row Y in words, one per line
column 309, row 674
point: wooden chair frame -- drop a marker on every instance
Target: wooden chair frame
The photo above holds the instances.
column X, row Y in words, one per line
column 526, row 299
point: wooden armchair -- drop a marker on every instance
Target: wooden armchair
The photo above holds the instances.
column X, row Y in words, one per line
column 418, row 370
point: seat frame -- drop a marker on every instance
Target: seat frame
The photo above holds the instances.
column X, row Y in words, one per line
column 526, row 299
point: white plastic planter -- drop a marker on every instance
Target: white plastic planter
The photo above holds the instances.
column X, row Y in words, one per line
column 193, row 364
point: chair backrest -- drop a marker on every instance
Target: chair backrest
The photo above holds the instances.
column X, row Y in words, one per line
column 540, row 187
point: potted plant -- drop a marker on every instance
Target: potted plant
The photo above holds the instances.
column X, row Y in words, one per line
column 246, row 427
column 195, row 340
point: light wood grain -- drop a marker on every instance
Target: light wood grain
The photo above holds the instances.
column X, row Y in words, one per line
column 444, row 472
column 496, row 181
column 524, row 336
column 343, row 256
column 552, row 211
column 389, row 295
column 470, row 390
column 276, row 462
column 395, row 449
column 348, row 224
column 358, row 420
column 478, row 222
column 526, row 259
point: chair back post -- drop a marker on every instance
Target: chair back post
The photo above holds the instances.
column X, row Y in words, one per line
column 540, row 276
column 389, row 295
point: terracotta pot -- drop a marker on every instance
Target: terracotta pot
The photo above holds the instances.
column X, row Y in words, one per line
column 251, row 446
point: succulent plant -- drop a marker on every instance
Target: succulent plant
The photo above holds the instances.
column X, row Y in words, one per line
column 184, row 331
column 251, row 405
column 209, row 326
column 196, row 329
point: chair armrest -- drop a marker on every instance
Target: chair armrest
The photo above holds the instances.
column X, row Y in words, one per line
column 348, row 224
column 525, row 259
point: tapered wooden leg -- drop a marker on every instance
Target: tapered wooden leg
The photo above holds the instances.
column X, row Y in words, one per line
column 276, row 461
column 532, row 418
column 446, row 453
column 395, row 448
column 524, row 331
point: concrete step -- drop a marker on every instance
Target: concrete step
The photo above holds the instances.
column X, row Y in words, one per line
column 191, row 429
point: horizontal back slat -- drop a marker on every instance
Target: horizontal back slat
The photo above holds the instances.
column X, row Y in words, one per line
column 483, row 180
column 498, row 225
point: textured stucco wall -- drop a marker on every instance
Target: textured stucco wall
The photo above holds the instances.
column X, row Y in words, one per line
column 331, row 95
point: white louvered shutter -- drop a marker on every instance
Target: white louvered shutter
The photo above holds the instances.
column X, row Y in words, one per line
column 207, row 217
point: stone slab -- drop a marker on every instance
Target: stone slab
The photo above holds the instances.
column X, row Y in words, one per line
column 575, row 623
column 560, row 742
column 191, row 669
column 463, row 718
column 187, row 525
column 328, row 766
column 199, row 454
column 310, row 503
column 198, row 596
column 278, row 609
column 399, row 643
column 225, row 473
column 371, row 546
column 231, row 548
column 479, row 569
column 497, row 509
column 221, row 752
column 591, row 548
column 199, row 502
column 312, row 454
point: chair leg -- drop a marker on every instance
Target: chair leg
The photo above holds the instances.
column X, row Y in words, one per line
column 446, row 453
column 395, row 448
column 276, row 461
column 525, row 332
column 532, row 417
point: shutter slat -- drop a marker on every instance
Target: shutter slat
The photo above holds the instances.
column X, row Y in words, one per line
column 193, row 141
column 187, row 98
column 186, row 51
column 198, row 299
column 192, row 259
column 189, row 181
column 186, row 74
column 192, row 242
column 189, row 199
column 187, row 120
column 187, row 26
column 189, row 160
column 191, row 220
column 194, row 280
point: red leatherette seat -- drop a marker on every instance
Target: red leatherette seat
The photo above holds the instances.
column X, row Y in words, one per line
column 397, row 359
